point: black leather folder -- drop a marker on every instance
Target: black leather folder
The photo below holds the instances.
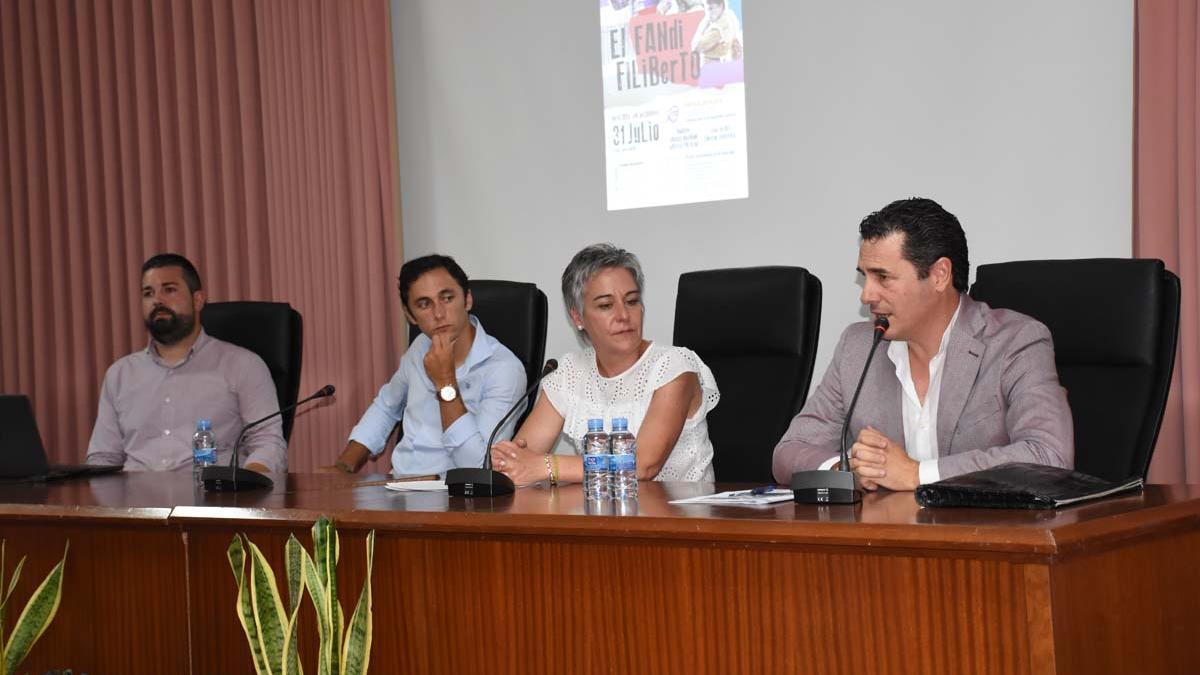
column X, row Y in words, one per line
column 1020, row 485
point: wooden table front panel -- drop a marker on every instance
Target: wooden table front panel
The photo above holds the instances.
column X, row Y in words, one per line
column 124, row 598
column 515, row 604
column 1130, row 609
column 532, row 583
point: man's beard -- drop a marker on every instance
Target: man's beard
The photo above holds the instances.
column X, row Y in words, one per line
column 170, row 329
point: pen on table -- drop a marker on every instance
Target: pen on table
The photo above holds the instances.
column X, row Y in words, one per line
column 762, row 489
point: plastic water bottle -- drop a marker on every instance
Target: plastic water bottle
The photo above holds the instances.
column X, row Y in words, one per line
column 598, row 507
column 204, row 448
column 595, row 461
column 624, row 507
column 623, row 465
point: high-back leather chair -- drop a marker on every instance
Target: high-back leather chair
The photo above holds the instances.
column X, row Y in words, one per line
column 274, row 331
column 756, row 328
column 1115, row 324
column 515, row 314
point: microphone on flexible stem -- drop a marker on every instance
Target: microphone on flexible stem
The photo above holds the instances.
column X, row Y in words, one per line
column 233, row 478
column 837, row 487
column 484, row 482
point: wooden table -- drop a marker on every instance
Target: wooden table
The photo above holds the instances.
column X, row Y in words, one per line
column 534, row 583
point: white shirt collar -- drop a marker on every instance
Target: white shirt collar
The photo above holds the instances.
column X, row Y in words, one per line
column 920, row 418
column 898, row 349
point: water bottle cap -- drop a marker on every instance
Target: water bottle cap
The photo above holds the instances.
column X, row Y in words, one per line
column 620, row 424
column 203, row 425
column 595, row 424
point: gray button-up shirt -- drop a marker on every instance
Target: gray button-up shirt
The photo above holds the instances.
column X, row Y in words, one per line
column 148, row 410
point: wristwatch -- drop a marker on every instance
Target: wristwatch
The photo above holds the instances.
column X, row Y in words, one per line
column 448, row 393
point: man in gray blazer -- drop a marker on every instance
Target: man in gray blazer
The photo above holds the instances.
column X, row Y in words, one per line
column 961, row 387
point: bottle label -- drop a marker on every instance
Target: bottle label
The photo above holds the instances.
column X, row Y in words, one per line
column 624, row 462
column 595, row 463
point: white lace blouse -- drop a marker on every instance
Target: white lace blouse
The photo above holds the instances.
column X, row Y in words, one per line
column 578, row 392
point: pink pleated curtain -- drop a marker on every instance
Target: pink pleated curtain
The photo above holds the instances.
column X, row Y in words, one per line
column 1166, row 210
column 256, row 137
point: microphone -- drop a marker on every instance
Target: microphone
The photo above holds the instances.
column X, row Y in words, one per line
column 233, row 478
column 881, row 326
column 837, row 487
column 484, row 482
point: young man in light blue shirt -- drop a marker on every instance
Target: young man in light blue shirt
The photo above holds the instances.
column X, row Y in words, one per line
column 454, row 383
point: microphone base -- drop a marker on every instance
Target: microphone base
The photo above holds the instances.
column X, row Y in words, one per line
column 825, row 487
column 229, row 479
column 478, row 483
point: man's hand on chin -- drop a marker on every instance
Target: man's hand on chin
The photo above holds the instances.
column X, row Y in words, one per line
column 879, row 461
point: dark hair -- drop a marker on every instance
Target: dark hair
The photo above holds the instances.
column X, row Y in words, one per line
column 413, row 269
column 190, row 276
column 930, row 232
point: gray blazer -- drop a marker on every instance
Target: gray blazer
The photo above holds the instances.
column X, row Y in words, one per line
column 1000, row 399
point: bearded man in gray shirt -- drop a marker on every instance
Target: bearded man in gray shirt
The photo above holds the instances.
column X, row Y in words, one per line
column 151, row 399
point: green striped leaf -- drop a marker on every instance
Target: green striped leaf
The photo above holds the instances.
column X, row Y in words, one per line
column 326, row 552
column 295, row 576
column 293, row 566
column 36, row 616
column 339, row 629
column 335, row 603
column 291, row 644
column 12, row 584
column 320, row 600
column 237, row 560
column 356, row 653
column 269, row 614
column 323, row 550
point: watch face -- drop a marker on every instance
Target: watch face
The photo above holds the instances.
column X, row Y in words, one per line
column 448, row 393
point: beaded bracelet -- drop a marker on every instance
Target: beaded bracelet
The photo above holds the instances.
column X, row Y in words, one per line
column 550, row 471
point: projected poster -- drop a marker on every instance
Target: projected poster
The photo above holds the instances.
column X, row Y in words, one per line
column 674, row 101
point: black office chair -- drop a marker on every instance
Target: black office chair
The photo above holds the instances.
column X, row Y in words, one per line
column 1115, row 324
column 274, row 331
column 756, row 328
column 515, row 314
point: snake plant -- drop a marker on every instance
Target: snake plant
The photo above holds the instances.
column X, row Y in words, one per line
column 35, row 618
column 271, row 629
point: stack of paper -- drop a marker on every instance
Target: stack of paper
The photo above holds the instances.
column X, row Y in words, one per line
column 740, row 498
column 417, row 486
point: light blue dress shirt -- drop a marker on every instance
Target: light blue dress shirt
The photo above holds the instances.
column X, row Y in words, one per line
column 490, row 381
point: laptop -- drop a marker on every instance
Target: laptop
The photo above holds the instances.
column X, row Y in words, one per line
column 22, row 455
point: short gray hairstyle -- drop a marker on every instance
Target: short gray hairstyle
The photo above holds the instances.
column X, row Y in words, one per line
column 588, row 262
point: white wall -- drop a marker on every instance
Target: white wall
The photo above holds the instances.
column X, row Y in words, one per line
column 1016, row 116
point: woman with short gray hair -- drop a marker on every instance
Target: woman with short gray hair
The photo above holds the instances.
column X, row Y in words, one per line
column 664, row 392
